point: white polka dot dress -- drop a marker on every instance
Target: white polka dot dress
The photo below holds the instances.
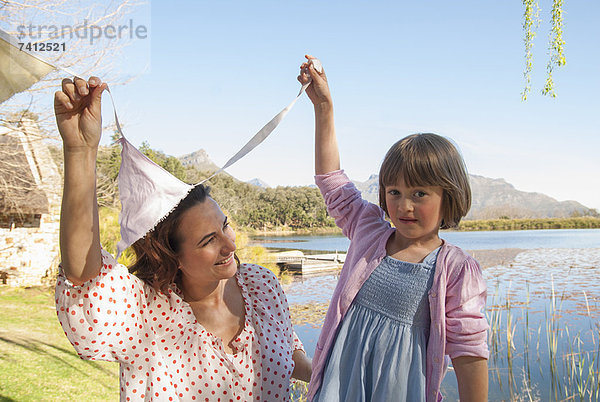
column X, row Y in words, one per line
column 164, row 353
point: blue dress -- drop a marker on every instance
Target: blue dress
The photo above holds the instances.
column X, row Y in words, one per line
column 379, row 352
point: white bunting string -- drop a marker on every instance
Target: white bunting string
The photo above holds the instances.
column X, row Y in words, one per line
column 256, row 140
column 268, row 128
column 148, row 193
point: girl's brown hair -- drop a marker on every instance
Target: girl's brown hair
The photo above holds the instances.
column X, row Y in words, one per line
column 429, row 160
column 156, row 253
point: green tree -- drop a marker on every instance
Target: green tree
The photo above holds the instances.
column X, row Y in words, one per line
column 170, row 163
column 247, row 205
column 108, row 163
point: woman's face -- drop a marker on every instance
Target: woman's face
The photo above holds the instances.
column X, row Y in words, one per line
column 207, row 243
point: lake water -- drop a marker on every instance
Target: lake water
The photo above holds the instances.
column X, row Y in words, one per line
column 493, row 240
column 543, row 308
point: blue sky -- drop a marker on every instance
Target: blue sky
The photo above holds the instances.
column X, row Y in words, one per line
column 218, row 71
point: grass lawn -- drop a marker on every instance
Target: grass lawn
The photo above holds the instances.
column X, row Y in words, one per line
column 37, row 362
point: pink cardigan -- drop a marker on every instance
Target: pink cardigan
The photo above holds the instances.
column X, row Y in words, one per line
column 456, row 298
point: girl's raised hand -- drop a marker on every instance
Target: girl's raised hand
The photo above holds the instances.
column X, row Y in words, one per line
column 318, row 90
column 77, row 110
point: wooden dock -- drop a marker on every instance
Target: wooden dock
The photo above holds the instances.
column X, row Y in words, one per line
column 296, row 261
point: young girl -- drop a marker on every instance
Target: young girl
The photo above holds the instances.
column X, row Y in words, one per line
column 406, row 299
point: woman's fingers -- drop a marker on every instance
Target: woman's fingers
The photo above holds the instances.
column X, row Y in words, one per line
column 74, row 91
column 81, row 86
column 68, row 87
column 61, row 100
column 78, row 88
column 97, row 87
column 94, row 81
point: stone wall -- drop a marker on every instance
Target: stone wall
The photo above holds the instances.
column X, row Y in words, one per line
column 30, row 256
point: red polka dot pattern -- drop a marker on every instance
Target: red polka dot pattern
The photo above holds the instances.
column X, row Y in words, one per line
column 164, row 353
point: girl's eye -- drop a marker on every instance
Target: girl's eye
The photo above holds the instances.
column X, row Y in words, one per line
column 393, row 192
column 420, row 194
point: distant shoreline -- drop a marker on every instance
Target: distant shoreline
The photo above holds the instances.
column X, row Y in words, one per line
column 476, row 225
column 584, row 222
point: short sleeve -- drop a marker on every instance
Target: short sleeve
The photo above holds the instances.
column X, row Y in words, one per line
column 270, row 303
column 102, row 318
column 297, row 343
column 466, row 325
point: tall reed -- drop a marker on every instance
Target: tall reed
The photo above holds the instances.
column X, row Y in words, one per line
column 568, row 362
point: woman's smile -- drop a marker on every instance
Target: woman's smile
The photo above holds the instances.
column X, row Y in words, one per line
column 226, row 260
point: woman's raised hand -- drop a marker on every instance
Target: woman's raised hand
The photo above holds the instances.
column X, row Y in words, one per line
column 78, row 116
column 77, row 109
column 318, row 90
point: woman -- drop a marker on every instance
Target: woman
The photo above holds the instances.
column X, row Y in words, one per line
column 192, row 323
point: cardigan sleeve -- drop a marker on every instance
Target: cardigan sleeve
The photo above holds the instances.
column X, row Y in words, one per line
column 346, row 205
column 466, row 324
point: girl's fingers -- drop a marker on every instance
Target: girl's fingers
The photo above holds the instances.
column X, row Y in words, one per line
column 321, row 73
column 314, row 74
column 307, row 71
column 303, row 77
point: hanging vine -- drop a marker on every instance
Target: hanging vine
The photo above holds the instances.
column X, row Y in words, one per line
column 555, row 48
column 531, row 23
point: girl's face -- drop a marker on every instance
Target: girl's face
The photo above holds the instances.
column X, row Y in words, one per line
column 416, row 212
column 207, row 244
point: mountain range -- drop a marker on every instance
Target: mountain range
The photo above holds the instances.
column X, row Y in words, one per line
column 491, row 198
column 199, row 160
column 496, row 198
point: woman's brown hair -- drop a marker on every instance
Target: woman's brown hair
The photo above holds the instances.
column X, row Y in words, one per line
column 429, row 160
column 156, row 253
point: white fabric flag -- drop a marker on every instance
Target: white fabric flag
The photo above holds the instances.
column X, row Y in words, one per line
column 18, row 70
column 148, row 193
